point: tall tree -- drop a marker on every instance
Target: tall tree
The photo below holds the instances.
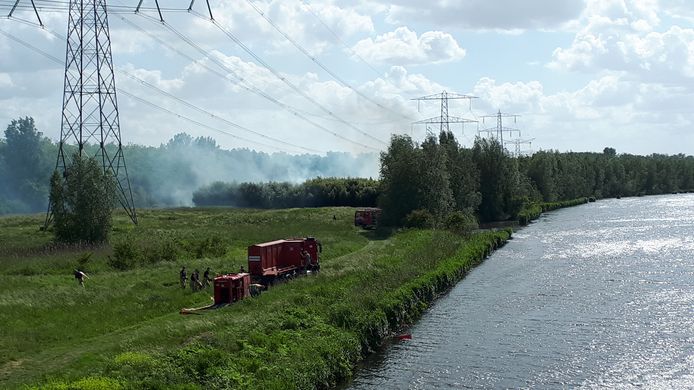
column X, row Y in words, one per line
column 83, row 202
column 435, row 191
column 400, row 179
column 499, row 180
column 25, row 165
column 464, row 176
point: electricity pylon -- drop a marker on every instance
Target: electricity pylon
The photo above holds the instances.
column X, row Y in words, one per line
column 444, row 120
column 90, row 106
column 500, row 129
column 517, row 142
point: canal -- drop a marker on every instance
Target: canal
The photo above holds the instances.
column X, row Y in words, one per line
column 594, row 296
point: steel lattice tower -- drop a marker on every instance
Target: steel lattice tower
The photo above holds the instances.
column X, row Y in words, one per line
column 444, row 120
column 90, row 107
column 500, row 128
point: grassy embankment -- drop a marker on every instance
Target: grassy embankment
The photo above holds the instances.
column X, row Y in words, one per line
column 533, row 211
column 124, row 330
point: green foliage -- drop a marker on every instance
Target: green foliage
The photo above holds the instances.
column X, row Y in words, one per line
column 213, row 246
column 500, row 183
column 318, row 192
column 400, row 180
column 435, row 190
column 125, row 256
column 529, row 213
column 460, row 222
column 532, row 211
column 90, row 383
column 83, row 260
column 420, row 219
column 82, row 203
column 24, row 168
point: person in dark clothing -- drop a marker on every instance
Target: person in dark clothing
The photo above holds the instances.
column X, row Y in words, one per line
column 306, row 259
column 195, row 284
column 241, row 270
column 206, row 278
column 79, row 275
column 184, row 277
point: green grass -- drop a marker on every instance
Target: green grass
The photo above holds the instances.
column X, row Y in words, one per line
column 124, row 329
column 533, row 211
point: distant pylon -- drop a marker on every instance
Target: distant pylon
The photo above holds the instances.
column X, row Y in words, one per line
column 517, row 142
column 444, row 120
column 90, row 107
column 500, row 129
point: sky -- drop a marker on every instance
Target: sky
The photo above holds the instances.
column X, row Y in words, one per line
column 342, row 75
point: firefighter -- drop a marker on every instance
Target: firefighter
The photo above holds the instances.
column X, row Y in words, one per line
column 184, row 277
column 206, row 278
column 306, row 259
column 197, row 280
column 79, row 275
column 195, row 284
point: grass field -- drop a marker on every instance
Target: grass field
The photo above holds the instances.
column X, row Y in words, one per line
column 123, row 329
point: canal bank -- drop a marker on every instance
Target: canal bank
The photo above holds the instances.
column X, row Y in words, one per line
column 594, row 296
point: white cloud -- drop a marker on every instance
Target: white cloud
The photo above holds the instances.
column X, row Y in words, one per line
column 611, row 110
column 621, row 35
column 5, row 81
column 293, row 18
column 403, row 47
column 485, row 14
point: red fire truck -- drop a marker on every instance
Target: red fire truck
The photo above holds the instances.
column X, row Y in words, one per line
column 276, row 259
column 367, row 218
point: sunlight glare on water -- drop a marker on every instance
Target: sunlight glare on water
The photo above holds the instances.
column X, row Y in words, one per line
column 594, row 296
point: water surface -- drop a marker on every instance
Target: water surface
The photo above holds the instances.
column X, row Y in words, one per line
column 594, row 296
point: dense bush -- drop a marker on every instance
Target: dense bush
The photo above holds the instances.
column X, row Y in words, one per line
column 460, row 222
column 82, row 203
column 420, row 219
column 125, row 256
column 317, row 192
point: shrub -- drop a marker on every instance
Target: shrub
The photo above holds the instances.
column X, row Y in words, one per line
column 169, row 251
column 210, row 246
column 462, row 223
column 124, row 257
column 83, row 260
column 420, row 219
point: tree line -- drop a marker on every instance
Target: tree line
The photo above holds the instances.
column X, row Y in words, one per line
column 431, row 180
column 160, row 176
column 318, row 192
column 421, row 183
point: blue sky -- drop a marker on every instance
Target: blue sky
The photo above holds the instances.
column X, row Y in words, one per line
column 582, row 74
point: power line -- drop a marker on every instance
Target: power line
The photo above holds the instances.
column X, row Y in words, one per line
column 294, row 87
column 337, row 37
column 190, row 105
column 253, row 89
column 293, row 110
column 321, row 64
column 131, row 95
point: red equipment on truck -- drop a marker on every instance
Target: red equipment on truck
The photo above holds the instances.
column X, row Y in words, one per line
column 367, row 218
column 230, row 288
column 275, row 259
